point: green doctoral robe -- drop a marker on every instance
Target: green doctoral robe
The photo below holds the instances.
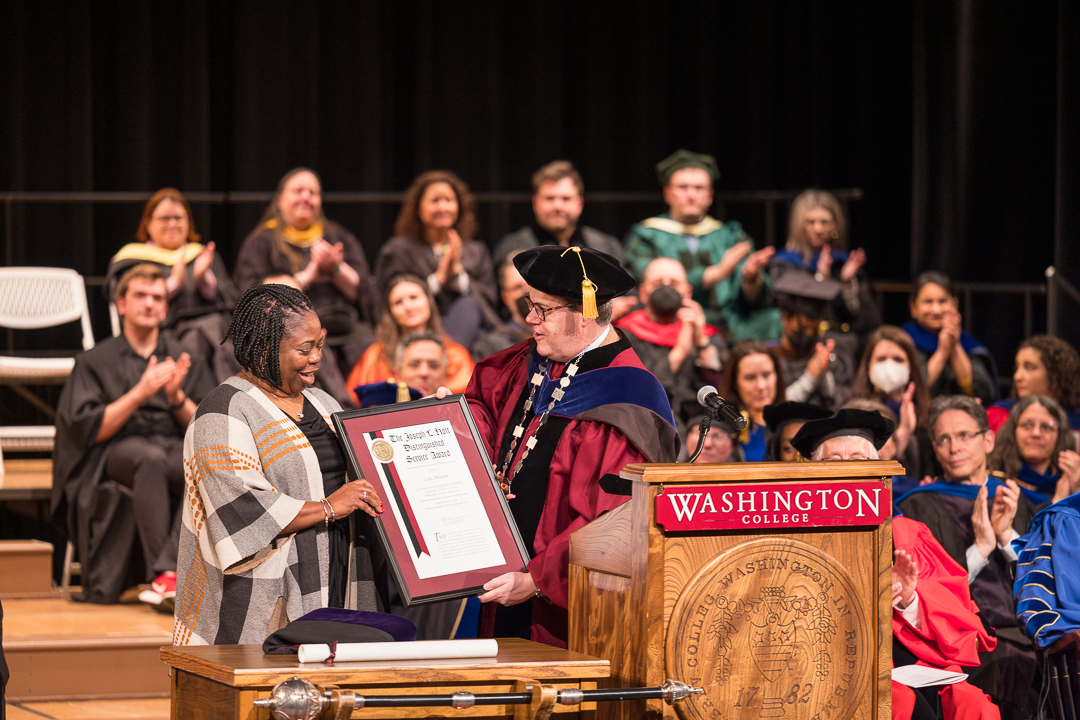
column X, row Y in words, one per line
column 724, row 305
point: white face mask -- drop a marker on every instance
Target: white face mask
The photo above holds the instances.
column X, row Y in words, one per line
column 888, row 376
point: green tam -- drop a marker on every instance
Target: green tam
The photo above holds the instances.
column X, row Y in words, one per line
column 681, row 159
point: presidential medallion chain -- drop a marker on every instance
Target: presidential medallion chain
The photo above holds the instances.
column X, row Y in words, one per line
column 519, row 430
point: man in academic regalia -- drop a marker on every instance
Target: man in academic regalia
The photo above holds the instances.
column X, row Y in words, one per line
column 121, row 418
column 976, row 517
column 818, row 366
column 728, row 278
column 561, row 415
column 935, row 622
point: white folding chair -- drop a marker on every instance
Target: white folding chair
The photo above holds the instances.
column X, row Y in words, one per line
column 32, row 298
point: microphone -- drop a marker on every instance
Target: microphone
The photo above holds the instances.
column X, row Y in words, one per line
column 725, row 411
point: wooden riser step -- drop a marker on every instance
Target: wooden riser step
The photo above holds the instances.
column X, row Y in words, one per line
column 25, row 568
column 60, row 649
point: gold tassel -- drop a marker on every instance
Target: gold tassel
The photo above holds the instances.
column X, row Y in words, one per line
column 744, row 434
column 402, row 392
column 588, row 288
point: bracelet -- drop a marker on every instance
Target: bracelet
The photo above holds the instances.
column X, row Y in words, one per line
column 333, row 515
column 177, row 406
column 326, row 513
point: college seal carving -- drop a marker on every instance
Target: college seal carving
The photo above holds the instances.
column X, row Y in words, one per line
column 770, row 629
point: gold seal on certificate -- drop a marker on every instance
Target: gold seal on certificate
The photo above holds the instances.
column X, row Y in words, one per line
column 382, row 450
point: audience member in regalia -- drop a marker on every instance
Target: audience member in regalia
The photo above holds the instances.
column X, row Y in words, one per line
column 271, row 530
column 890, row 372
column 200, row 291
column 934, row 620
column 817, row 235
column 728, row 276
column 785, row 419
column 954, row 362
column 752, row 380
column 818, row 361
column 433, row 240
column 120, row 421
column 670, row 334
column 557, row 203
column 512, row 328
column 295, row 238
column 976, row 517
column 1045, row 365
column 1036, row 448
column 409, row 308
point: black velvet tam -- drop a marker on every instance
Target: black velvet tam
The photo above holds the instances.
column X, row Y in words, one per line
column 776, row 416
column 556, row 270
column 806, row 286
column 682, row 159
column 860, row 423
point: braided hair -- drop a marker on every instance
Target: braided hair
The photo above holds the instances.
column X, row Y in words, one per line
column 258, row 325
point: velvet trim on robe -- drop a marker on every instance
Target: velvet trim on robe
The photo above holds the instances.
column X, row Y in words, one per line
column 586, row 450
column 1047, row 587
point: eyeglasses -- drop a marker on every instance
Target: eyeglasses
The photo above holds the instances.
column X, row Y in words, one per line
column 166, row 219
column 541, row 311
column 963, row 438
column 1045, row 427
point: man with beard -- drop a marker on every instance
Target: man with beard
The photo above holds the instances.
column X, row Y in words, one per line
column 561, row 415
column 670, row 334
column 976, row 517
column 819, row 366
column 728, row 278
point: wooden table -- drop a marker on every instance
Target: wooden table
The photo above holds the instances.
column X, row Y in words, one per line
column 222, row 681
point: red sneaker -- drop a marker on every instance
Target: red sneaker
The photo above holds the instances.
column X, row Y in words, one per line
column 163, row 587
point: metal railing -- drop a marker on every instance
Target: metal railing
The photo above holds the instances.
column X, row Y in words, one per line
column 768, row 199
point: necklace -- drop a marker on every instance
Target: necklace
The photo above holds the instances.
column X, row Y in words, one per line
column 279, row 401
column 519, row 429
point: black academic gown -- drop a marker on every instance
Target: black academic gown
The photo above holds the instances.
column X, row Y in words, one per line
column 1007, row 673
column 92, row 510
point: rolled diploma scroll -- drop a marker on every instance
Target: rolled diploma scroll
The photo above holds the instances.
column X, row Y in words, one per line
column 416, row 650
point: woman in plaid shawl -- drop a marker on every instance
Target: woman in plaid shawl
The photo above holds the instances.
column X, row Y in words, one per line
column 270, row 528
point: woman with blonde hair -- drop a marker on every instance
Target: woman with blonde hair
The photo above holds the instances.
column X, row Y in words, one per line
column 815, row 245
column 326, row 260
column 434, row 240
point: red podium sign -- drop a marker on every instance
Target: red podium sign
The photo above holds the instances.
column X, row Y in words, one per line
column 782, row 505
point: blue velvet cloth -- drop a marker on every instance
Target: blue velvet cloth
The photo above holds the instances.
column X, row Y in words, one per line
column 603, row 386
column 754, row 448
column 1047, row 586
column 1045, row 482
column 954, row 489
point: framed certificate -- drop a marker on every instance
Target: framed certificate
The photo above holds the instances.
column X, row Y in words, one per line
column 446, row 526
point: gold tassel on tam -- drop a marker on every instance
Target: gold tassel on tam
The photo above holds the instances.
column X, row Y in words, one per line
column 588, row 288
column 402, row 392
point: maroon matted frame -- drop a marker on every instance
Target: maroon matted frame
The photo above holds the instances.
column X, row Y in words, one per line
column 353, row 425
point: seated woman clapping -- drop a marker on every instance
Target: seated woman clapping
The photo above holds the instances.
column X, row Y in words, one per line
column 270, row 523
column 1045, row 365
column 410, row 308
column 1036, row 448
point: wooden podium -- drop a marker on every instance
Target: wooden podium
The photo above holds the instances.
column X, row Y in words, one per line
column 753, row 581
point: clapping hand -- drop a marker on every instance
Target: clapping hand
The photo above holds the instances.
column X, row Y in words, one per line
column 856, row 259
column 949, row 335
column 818, row 363
column 176, row 380
column 905, row 578
column 757, row 262
column 202, row 262
column 824, row 261
column 1068, row 462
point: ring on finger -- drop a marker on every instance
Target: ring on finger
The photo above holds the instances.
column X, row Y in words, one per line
column 365, row 494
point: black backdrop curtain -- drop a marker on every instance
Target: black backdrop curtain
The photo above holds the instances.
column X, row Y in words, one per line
column 946, row 114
